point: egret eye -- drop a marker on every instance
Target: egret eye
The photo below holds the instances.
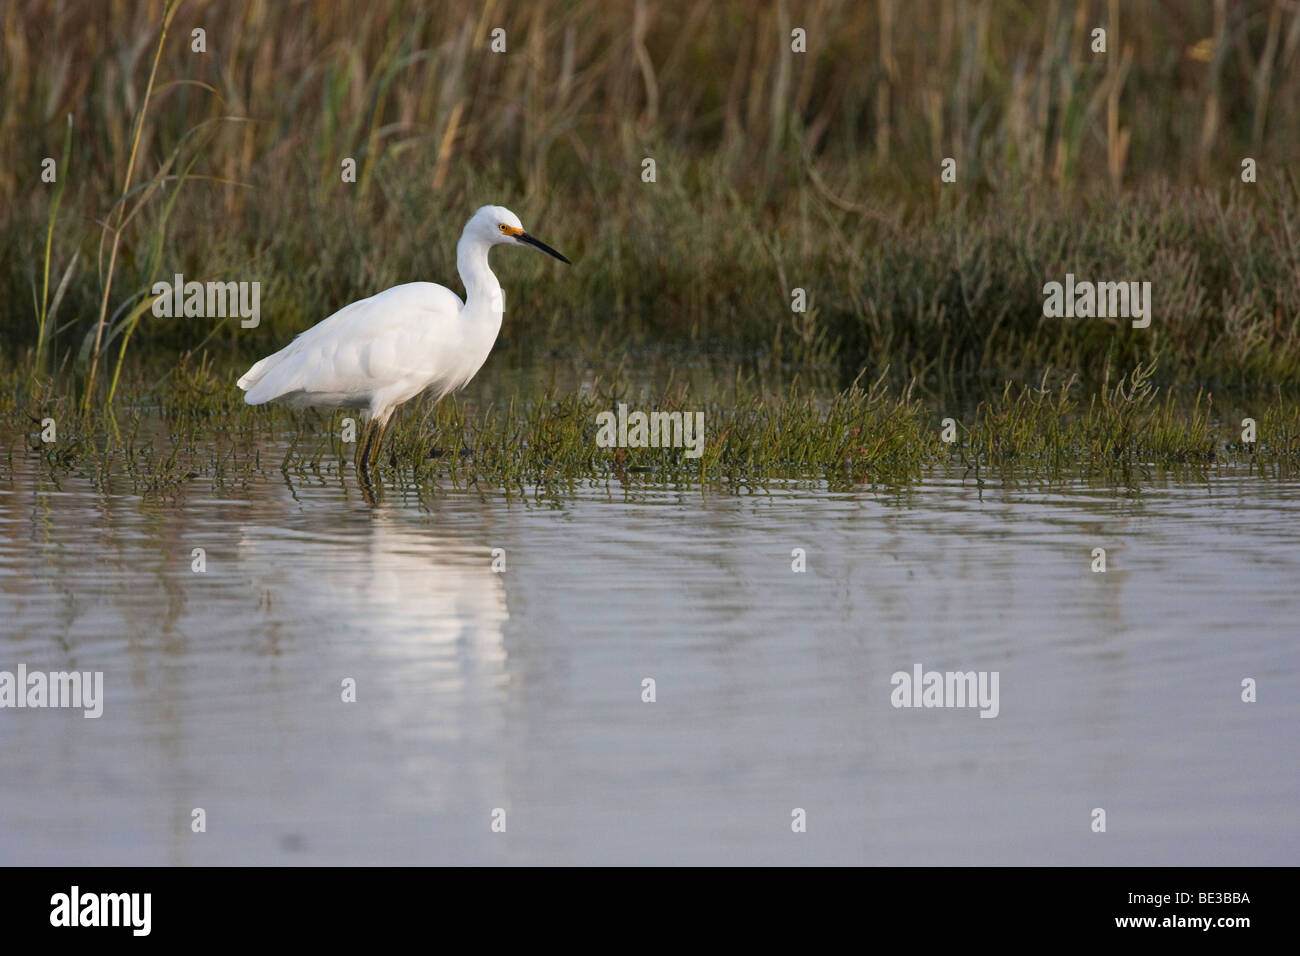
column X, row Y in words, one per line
column 502, row 227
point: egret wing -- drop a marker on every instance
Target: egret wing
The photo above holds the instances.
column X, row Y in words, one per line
column 364, row 346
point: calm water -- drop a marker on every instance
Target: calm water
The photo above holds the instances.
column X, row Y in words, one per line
column 522, row 690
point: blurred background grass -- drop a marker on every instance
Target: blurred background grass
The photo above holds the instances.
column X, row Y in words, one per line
column 775, row 170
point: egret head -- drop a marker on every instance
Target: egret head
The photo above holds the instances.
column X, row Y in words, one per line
column 497, row 224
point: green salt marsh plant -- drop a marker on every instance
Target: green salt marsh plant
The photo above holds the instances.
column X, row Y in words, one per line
column 183, row 432
column 1123, row 165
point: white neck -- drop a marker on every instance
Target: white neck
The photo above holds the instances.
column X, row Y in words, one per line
column 483, row 298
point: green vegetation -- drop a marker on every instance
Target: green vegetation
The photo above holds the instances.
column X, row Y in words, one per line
column 774, row 171
column 192, row 433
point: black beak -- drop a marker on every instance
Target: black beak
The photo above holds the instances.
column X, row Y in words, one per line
column 525, row 237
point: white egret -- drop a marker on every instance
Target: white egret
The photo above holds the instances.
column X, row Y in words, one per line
column 379, row 352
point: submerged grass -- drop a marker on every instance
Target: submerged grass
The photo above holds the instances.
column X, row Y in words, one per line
column 189, row 433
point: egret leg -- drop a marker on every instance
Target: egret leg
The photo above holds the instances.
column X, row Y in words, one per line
column 363, row 446
column 363, row 466
column 379, row 439
column 374, row 440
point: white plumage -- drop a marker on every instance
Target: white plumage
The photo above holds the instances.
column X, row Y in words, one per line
column 382, row 351
column 407, row 337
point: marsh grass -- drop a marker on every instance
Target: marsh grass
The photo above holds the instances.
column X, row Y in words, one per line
column 776, row 171
column 187, row 434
